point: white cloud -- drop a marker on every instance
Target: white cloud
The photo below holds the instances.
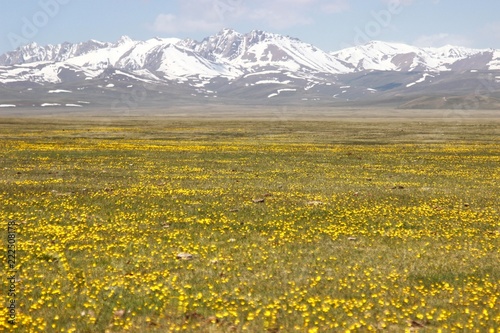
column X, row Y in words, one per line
column 199, row 15
column 210, row 15
column 398, row 2
column 166, row 23
column 169, row 23
column 279, row 19
column 407, row 2
column 337, row 6
column 488, row 36
column 441, row 39
column 289, row 13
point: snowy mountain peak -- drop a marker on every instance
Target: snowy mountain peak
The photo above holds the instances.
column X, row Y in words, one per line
column 124, row 39
column 258, row 49
column 453, row 51
column 225, row 44
column 227, row 31
column 389, row 46
column 230, row 55
column 389, row 56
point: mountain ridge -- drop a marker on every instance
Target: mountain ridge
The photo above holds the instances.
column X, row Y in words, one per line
column 258, row 66
column 231, row 46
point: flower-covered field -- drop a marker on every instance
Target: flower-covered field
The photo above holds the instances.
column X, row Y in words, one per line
column 156, row 226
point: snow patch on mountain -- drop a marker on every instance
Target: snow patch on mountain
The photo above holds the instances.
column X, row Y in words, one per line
column 180, row 62
column 422, row 79
column 273, row 82
column 279, row 91
column 494, row 64
column 384, row 56
column 262, row 73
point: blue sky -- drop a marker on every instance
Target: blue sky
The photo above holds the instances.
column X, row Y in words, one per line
column 328, row 24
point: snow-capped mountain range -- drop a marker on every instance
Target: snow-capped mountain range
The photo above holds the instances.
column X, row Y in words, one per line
column 254, row 65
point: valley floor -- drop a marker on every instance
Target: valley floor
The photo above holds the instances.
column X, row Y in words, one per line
column 271, row 113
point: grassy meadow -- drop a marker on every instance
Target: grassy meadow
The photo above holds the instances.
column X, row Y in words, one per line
column 251, row 226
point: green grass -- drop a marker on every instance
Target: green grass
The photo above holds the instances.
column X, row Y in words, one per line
column 384, row 226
